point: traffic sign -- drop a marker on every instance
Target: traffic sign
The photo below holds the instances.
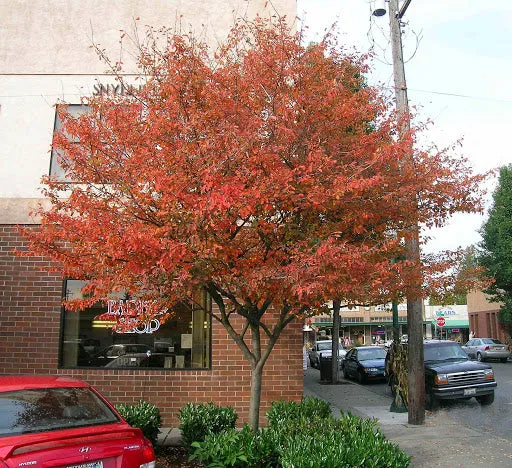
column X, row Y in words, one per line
column 440, row 321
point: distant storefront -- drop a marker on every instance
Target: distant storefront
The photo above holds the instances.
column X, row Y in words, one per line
column 448, row 322
column 369, row 325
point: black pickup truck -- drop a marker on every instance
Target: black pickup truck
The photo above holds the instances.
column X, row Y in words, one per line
column 450, row 375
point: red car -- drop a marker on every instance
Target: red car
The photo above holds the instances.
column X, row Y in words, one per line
column 61, row 422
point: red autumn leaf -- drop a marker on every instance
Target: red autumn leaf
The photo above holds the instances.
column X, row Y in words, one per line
column 270, row 174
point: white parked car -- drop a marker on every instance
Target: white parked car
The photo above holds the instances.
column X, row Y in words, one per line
column 324, row 349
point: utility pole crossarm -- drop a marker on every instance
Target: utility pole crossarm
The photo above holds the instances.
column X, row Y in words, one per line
column 403, row 9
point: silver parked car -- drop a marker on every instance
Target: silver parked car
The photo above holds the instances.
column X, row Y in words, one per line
column 487, row 348
column 324, row 349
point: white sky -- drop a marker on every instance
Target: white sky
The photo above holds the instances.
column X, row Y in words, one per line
column 465, row 50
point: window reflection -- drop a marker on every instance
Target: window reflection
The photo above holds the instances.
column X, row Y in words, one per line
column 182, row 342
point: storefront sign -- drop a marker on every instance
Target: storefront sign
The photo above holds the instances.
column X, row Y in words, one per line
column 126, row 313
column 445, row 312
column 115, row 89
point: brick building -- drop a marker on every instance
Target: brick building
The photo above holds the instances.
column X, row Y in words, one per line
column 483, row 317
column 45, row 59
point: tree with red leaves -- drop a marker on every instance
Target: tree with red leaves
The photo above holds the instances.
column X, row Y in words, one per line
column 267, row 174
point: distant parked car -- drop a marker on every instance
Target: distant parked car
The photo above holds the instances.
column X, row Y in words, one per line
column 487, row 348
column 52, row 421
column 450, row 375
column 365, row 363
column 321, row 349
column 114, row 351
column 388, row 343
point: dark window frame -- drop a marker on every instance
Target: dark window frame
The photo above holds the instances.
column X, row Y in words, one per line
column 55, row 169
column 208, row 342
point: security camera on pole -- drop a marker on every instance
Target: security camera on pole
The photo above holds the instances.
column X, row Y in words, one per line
column 416, row 376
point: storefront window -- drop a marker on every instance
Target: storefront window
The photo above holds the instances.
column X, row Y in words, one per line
column 181, row 342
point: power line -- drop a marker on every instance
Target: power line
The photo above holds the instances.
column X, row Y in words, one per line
column 465, row 96
column 426, row 91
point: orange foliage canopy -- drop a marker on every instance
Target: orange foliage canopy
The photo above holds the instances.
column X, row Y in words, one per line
column 266, row 172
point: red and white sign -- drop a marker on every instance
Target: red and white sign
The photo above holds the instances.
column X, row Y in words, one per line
column 440, row 321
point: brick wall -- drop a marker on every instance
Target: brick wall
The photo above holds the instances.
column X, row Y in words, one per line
column 29, row 341
column 483, row 317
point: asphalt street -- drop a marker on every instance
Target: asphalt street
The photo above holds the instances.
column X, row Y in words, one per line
column 495, row 418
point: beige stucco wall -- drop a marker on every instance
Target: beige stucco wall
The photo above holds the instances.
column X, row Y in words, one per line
column 53, row 36
column 45, row 58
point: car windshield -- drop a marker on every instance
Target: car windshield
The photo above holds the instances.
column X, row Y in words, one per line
column 374, row 353
column 444, row 352
column 50, row 409
column 324, row 346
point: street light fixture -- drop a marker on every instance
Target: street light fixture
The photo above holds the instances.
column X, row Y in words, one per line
column 380, row 10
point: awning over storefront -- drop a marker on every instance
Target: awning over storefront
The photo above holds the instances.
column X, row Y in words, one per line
column 356, row 324
column 448, row 324
column 455, row 324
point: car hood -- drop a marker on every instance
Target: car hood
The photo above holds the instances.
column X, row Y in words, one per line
column 373, row 363
column 446, row 367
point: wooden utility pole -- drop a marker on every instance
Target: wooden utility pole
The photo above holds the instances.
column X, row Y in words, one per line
column 416, row 377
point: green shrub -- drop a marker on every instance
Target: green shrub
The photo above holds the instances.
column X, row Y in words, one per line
column 302, row 435
column 144, row 416
column 227, row 448
column 309, row 408
column 232, row 448
column 349, row 441
column 315, row 408
column 199, row 420
column 346, row 442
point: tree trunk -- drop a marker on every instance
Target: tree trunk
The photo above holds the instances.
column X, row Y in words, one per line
column 335, row 339
column 254, row 407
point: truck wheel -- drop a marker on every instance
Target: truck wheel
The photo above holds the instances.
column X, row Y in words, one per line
column 485, row 399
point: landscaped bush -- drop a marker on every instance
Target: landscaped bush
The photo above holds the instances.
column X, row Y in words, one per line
column 233, row 448
column 199, row 420
column 302, row 435
column 346, row 442
column 309, row 408
column 144, row 416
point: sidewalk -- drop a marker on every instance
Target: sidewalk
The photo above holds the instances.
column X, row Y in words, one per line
column 440, row 442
